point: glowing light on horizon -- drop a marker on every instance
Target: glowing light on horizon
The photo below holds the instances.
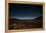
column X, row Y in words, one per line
column 24, row 18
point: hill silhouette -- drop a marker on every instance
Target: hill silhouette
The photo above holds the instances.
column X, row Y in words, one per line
column 38, row 18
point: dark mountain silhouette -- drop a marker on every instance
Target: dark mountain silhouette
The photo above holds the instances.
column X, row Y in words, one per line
column 39, row 18
column 38, row 21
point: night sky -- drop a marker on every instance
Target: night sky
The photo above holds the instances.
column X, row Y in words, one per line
column 24, row 11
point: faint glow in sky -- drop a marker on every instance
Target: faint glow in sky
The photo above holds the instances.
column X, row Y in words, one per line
column 24, row 11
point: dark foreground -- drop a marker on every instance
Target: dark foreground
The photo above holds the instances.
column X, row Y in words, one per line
column 25, row 24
